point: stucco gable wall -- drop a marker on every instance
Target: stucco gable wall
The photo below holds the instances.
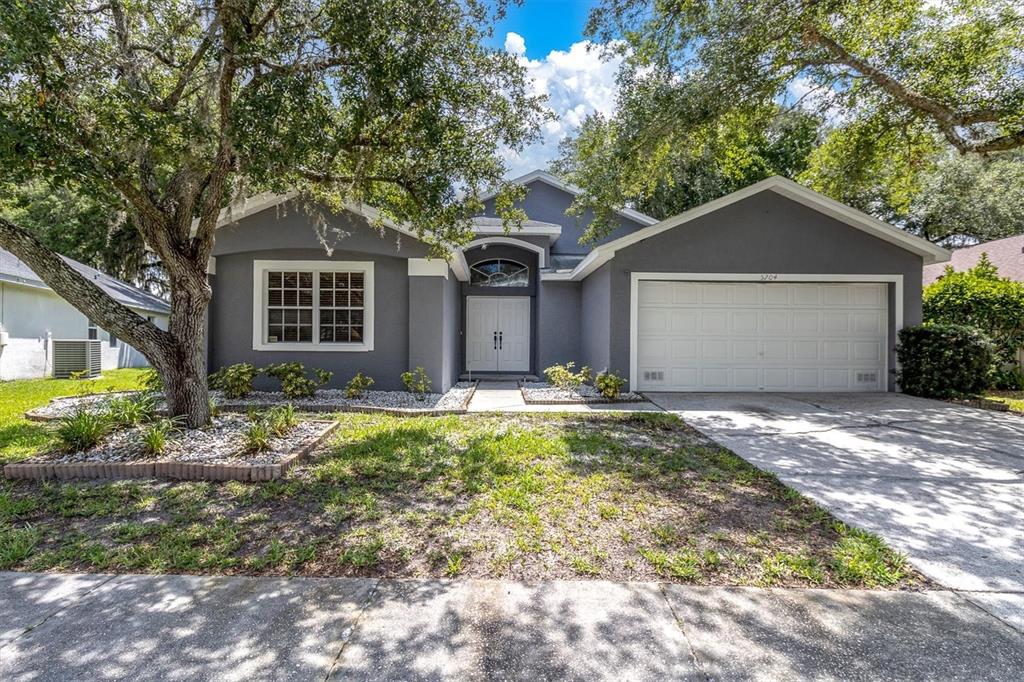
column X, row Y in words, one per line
column 549, row 204
column 766, row 233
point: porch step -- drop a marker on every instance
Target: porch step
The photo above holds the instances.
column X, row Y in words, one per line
column 497, row 376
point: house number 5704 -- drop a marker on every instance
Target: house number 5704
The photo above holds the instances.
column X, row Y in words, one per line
column 769, row 277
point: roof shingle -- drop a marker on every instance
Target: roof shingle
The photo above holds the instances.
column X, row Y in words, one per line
column 1006, row 254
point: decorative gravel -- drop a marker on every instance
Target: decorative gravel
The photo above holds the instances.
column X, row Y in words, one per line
column 219, row 443
column 455, row 400
column 546, row 394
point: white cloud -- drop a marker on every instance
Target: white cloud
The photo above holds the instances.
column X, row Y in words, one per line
column 577, row 82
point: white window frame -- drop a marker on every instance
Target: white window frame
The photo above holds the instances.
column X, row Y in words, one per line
column 260, row 268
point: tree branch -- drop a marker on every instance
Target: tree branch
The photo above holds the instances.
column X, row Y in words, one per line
column 83, row 293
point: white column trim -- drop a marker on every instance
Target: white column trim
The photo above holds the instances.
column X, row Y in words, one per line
column 428, row 267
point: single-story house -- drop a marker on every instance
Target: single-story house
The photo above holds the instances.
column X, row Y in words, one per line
column 33, row 316
column 771, row 288
column 1006, row 254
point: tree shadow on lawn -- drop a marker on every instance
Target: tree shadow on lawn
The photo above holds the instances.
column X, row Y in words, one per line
column 21, row 440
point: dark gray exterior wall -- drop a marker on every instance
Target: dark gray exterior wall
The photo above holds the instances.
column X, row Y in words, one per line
column 286, row 233
column 765, row 233
column 549, row 204
column 596, row 319
column 434, row 328
column 558, row 324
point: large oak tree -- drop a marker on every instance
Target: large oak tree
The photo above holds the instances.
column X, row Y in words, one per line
column 178, row 107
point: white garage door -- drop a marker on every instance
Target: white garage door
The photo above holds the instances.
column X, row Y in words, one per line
column 745, row 336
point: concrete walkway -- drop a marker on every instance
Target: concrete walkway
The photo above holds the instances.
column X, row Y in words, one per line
column 940, row 482
column 92, row 627
column 505, row 396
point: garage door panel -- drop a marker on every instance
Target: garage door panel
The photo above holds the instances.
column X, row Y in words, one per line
column 761, row 336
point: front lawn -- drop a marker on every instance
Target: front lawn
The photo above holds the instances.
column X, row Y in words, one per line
column 1015, row 399
column 20, row 438
column 530, row 497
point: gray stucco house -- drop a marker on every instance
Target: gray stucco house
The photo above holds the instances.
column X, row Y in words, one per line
column 771, row 288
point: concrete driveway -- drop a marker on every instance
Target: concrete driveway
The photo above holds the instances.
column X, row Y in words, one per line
column 942, row 483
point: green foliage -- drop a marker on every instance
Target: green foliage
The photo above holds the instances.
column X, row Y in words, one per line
column 281, row 419
column 979, row 297
column 860, row 558
column 234, row 380
column 131, row 411
column 151, row 381
column 944, row 360
column 417, row 382
column 562, row 376
column 156, row 435
column 357, row 386
column 83, row 429
column 609, row 384
column 294, row 382
column 256, row 437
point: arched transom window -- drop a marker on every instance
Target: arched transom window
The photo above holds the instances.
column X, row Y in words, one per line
column 499, row 272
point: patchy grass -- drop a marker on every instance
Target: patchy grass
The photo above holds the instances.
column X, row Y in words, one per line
column 620, row 497
column 1015, row 399
column 20, row 438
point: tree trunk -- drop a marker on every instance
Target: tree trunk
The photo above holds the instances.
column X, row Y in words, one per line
column 184, row 378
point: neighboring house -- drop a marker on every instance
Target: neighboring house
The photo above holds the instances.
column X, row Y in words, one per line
column 1006, row 254
column 771, row 288
column 32, row 316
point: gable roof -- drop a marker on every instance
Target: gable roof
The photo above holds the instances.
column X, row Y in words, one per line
column 14, row 270
column 785, row 187
column 1006, row 254
column 549, row 179
column 261, row 202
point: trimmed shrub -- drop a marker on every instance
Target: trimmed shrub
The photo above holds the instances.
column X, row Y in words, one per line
column 944, row 361
column 357, row 386
column 234, row 380
column 979, row 297
column 609, row 384
column 417, row 382
column 562, row 376
column 294, row 382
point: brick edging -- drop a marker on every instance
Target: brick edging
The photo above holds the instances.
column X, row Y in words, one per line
column 181, row 470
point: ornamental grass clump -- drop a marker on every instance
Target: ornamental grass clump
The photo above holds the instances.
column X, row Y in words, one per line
column 83, row 429
column 156, row 436
column 131, row 411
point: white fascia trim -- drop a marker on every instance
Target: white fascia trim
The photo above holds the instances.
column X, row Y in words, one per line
column 542, row 254
column 550, row 179
column 549, row 230
column 785, row 187
column 259, row 308
column 636, row 277
column 459, row 266
column 428, row 267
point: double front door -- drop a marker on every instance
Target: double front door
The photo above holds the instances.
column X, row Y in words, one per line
column 498, row 333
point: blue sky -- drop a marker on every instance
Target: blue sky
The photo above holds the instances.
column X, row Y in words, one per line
column 545, row 24
column 547, row 36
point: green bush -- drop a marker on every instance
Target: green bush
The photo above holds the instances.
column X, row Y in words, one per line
column 234, row 380
column 944, row 361
column 131, row 411
column 294, row 382
column 357, row 386
column 156, row 435
column 562, row 376
column 609, row 384
column 83, row 429
column 151, row 381
column 417, row 382
column 980, row 298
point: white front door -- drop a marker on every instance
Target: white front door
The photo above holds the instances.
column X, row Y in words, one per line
column 498, row 333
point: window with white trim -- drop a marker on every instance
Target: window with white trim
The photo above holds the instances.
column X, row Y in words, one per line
column 312, row 305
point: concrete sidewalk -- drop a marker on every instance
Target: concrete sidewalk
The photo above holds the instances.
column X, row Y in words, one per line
column 69, row 627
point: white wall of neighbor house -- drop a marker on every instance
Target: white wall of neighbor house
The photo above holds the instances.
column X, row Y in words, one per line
column 30, row 316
